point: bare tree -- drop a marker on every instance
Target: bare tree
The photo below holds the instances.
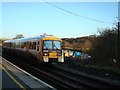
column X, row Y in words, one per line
column 19, row 36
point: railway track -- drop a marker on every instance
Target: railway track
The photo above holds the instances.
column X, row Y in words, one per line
column 87, row 79
column 42, row 72
column 61, row 77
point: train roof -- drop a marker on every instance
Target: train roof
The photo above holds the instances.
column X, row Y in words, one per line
column 29, row 39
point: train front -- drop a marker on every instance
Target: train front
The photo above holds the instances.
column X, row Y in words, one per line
column 52, row 51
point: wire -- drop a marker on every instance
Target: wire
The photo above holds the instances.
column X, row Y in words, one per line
column 78, row 14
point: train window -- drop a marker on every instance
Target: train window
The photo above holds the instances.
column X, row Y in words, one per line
column 56, row 45
column 18, row 45
column 51, row 44
column 14, row 45
column 47, row 44
column 34, row 45
column 22, row 45
column 30, row 44
column 38, row 46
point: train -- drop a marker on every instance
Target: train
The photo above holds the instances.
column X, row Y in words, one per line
column 45, row 48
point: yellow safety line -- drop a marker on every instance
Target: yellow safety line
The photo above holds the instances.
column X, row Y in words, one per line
column 21, row 86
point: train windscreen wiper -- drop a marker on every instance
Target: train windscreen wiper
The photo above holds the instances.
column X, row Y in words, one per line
column 55, row 46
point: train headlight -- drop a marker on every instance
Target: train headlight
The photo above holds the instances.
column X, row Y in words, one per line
column 45, row 50
column 59, row 54
column 45, row 54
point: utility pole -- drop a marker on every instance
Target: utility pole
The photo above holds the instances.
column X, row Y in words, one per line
column 118, row 40
column 118, row 43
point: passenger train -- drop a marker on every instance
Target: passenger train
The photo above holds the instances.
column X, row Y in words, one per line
column 45, row 48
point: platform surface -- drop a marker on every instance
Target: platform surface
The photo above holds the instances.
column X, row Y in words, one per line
column 9, row 80
column 12, row 77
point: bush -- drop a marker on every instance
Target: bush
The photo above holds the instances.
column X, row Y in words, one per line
column 104, row 48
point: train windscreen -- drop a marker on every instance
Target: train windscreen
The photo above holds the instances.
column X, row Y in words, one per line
column 52, row 44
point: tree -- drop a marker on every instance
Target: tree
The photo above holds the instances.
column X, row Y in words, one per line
column 66, row 44
column 19, row 36
column 104, row 48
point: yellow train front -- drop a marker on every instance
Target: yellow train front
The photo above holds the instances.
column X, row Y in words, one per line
column 45, row 48
column 51, row 50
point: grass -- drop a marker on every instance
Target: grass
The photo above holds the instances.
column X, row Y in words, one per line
column 113, row 70
column 91, row 66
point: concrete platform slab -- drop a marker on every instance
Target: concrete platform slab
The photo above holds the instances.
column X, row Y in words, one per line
column 27, row 80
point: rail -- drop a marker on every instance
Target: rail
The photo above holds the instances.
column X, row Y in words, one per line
column 61, row 77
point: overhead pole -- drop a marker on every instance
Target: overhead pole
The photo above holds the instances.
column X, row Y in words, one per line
column 118, row 43
column 118, row 35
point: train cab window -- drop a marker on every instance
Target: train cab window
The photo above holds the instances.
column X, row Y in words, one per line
column 51, row 44
column 47, row 44
column 56, row 45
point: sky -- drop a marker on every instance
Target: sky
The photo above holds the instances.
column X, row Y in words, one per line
column 61, row 19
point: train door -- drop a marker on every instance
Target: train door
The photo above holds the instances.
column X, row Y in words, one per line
column 38, row 49
column 37, row 46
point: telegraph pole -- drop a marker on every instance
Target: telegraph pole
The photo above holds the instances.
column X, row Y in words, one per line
column 118, row 36
column 118, row 43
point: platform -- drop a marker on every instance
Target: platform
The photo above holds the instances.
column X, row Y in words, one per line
column 12, row 77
